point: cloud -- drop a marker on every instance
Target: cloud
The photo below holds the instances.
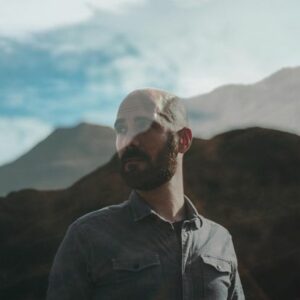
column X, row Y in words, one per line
column 59, row 85
column 115, row 6
column 18, row 135
column 21, row 18
column 167, row 44
column 202, row 47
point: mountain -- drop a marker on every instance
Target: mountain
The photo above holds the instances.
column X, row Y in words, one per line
column 248, row 180
column 271, row 103
column 59, row 160
column 70, row 153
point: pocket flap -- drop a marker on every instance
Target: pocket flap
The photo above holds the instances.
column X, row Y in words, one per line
column 217, row 263
column 135, row 264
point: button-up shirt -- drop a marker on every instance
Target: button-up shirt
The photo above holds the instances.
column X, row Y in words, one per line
column 128, row 251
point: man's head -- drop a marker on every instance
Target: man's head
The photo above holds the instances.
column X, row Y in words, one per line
column 152, row 136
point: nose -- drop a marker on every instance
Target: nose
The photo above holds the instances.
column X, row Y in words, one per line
column 126, row 140
column 131, row 139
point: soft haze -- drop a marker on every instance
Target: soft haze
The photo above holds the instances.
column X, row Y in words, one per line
column 63, row 62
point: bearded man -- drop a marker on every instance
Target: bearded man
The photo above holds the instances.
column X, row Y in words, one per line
column 155, row 245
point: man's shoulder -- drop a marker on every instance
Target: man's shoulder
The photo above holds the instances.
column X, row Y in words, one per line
column 216, row 241
column 102, row 215
column 214, row 227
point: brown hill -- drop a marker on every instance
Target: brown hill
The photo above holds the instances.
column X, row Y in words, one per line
column 247, row 180
column 62, row 158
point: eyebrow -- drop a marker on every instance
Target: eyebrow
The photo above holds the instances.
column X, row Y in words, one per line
column 165, row 116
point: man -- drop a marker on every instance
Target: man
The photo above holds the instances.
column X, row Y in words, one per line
column 155, row 245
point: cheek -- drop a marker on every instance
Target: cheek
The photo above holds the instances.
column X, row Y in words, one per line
column 154, row 146
column 118, row 145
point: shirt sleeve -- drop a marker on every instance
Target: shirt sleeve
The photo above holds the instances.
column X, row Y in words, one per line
column 236, row 290
column 69, row 276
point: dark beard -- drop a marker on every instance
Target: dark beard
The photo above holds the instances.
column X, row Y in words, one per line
column 156, row 172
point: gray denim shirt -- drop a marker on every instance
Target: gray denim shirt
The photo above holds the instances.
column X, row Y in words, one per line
column 128, row 251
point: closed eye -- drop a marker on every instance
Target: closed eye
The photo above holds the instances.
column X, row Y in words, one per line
column 120, row 128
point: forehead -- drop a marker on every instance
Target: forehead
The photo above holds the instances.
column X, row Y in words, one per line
column 137, row 105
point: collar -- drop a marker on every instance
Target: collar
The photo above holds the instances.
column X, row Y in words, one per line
column 141, row 209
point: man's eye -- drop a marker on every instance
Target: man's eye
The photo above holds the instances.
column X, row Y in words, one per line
column 120, row 129
column 144, row 124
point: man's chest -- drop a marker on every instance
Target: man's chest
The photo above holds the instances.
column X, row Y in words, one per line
column 156, row 263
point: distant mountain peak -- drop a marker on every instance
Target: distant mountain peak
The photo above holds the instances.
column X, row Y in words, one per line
column 283, row 75
column 63, row 157
column 81, row 125
column 272, row 102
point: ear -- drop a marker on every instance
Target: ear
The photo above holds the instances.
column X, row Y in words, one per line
column 185, row 137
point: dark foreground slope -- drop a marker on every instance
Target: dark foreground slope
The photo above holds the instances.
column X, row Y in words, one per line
column 247, row 180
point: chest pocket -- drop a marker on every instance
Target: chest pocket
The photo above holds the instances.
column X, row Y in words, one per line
column 126, row 267
column 129, row 276
column 137, row 275
column 216, row 277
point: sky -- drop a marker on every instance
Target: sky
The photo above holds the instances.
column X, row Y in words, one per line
column 67, row 61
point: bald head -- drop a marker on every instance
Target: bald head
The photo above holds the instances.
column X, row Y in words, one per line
column 167, row 108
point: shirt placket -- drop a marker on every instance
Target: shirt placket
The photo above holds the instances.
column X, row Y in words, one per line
column 186, row 280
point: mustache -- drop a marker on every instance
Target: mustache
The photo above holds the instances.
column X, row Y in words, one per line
column 133, row 153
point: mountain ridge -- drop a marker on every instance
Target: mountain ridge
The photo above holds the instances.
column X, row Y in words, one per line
column 272, row 102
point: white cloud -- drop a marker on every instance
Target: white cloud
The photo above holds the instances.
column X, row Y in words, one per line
column 203, row 48
column 116, row 6
column 18, row 135
column 191, row 3
column 99, row 117
column 19, row 18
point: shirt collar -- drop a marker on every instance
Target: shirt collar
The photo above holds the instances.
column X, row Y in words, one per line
column 192, row 214
column 141, row 209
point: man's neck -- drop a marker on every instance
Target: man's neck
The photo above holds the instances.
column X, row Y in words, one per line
column 167, row 200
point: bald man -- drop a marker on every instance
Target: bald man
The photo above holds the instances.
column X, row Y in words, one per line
column 155, row 245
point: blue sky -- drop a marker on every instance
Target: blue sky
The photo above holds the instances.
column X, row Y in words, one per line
column 67, row 61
